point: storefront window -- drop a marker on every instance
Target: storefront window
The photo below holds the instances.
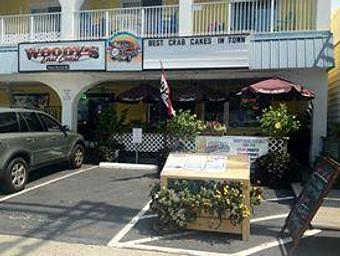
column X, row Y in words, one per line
column 214, row 111
column 244, row 112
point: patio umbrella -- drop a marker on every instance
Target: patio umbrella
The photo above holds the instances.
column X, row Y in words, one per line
column 144, row 92
column 277, row 86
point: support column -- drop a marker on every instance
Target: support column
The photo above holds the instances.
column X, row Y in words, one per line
column 323, row 15
column 185, row 17
column 68, row 18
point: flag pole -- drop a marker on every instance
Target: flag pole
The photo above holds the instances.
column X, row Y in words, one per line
column 165, row 133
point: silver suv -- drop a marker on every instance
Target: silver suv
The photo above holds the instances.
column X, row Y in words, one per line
column 32, row 139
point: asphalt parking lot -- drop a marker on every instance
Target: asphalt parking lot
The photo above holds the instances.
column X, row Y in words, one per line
column 95, row 206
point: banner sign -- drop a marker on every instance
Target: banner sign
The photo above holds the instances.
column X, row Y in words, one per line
column 230, row 51
column 124, row 53
column 62, row 56
column 311, row 198
column 254, row 147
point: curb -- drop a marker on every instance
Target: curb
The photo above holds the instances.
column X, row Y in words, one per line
column 135, row 167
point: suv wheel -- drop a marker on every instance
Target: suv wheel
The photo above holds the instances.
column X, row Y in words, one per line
column 77, row 157
column 16, row 175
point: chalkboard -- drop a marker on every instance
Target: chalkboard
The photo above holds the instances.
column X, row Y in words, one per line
column 311, row 198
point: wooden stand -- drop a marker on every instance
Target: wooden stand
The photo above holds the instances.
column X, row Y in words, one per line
column 237, row 169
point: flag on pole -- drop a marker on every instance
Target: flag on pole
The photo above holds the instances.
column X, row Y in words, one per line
column 166, row 94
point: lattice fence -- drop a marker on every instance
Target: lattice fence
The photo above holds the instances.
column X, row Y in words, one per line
column 155, row 142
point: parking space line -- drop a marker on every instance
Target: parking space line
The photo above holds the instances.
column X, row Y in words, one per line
column 156, row 238
column 115, row 240
column 272, row 217
column 46, row 183
column 279, row 199
column 272, row 244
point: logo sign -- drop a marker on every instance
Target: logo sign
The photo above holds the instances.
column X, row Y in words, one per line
column 254, row 147
column 62, row 56
column 229, row 51
column 124, row 53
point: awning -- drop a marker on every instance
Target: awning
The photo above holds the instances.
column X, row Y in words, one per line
column 146, row 93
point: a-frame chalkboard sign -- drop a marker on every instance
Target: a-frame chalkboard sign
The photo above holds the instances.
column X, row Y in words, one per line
column 311, row 198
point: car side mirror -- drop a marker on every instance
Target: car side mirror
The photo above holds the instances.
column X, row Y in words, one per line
column 66, row 128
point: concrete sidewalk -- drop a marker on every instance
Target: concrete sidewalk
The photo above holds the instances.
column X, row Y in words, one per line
column 19, row 246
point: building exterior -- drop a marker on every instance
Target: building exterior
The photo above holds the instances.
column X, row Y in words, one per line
column 52, row 52
column 334, row 75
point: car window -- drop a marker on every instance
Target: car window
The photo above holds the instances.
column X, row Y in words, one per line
column 22, row 123
column 50, row 124
column 8, row 122
column 33, row 122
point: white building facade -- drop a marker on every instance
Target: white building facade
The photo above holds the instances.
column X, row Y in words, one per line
column 69, row 46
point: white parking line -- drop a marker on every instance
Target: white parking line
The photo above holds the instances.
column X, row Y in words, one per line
column 279, row 199
column 46, row 183
column 115, row 240
column 272, row 217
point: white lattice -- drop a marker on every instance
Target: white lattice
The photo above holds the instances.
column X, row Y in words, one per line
column 154, row 142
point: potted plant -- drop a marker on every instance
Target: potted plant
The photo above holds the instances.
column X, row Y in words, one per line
column 109, row 123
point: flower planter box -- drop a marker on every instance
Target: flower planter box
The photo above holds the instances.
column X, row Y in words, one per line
column 236, row 169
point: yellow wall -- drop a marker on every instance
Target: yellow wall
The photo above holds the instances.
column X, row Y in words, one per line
column 25, row 6
column 334, row 75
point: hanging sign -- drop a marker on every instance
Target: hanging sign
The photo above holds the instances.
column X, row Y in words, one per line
column 137, row 135
column 62, row 56
column 124, row 53
column 311, row 198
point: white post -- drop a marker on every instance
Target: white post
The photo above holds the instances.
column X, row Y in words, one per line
column 32, row 28
column 143, row 22
column 272, row 14
column 2, row 31
column 323, row 14
column 68, row 18
column 185, row 17
column 229, row 17
column 107, row 34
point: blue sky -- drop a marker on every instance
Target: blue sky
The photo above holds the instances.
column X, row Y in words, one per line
column 335, row 4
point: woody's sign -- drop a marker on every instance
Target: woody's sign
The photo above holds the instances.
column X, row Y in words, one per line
column 62, row 56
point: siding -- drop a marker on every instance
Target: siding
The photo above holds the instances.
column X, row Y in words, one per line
column 292, row 50
column 334, row 75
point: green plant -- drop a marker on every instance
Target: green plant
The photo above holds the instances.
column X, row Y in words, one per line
column 184, row 124
column 272, row 168
column 214, row 127
column 184, row 201
column 278, row 123
column 110, row 122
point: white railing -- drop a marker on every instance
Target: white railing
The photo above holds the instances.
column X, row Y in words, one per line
column 159, row 21
column 29, row 28
column 254, row 16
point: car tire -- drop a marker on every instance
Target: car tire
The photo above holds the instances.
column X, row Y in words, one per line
column 77, row 156
column 16, row 175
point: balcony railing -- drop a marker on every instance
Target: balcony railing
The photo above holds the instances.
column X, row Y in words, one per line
column 31, row 27
column 254, row 16
column 159, row 21
column 232, row 16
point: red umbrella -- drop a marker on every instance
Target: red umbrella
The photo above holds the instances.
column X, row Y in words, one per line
column 277, row 86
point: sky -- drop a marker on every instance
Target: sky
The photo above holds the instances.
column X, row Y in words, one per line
column 335, row 4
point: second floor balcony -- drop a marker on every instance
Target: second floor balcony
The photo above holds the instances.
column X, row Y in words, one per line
column 207, row 18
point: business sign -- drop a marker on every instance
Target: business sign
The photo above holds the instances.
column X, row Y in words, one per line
column 124, row 53
column 137, row 135
column 62, row 56
column 254, row 147
column 230, row 51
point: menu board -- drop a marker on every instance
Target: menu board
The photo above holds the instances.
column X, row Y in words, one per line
column 311, row 198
